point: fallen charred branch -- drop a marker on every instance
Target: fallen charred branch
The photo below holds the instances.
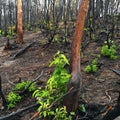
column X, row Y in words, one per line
column 7, row 117
column 116, row 71
column 21, row 51
column 7, row 78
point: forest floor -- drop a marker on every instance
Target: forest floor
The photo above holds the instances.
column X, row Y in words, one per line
column 98, row 88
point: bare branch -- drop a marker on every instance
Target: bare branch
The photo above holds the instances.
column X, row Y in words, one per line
column 7, row 78
column 23, row 92
column 116, row 71
column 6, row 117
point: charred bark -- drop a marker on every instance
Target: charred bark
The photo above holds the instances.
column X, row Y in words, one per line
column 2, row 95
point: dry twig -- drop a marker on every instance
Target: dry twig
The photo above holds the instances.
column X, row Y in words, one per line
column 7, row 78
column 7, row 117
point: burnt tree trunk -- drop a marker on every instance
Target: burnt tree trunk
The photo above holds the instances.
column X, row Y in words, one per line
column 2, row 95
column 71, row 100
column 54, row 12
column 19, row 19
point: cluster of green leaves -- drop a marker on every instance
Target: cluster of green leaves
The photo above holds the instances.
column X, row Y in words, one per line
column 50, row 25
column 24, row 85
column 28, row 26
column 87, row 30
column 109, row 50
column 13, row 97
column 92, row 67
column 82, row 105
column 1, row 33
column 56, row 38
column 55, row 88
column 10, row 32
column 60, row 76
column 94, row 37
column 31, row 27
column 61, row 114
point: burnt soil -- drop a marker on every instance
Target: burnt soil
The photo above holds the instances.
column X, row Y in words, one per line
column 98, row 88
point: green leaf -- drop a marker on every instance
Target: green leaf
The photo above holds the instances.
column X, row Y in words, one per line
column 88, row 68
column 95, row 61
column 94, row 68
column 82, row 108
column 55, row 87
column 36, row 93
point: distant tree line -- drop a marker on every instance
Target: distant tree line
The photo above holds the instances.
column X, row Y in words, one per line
column 37, row 12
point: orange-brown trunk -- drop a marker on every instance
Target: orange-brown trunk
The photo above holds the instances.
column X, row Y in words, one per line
column 71, row 100
column 19, row 19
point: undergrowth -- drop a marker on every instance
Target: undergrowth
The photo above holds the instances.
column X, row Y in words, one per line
column 24, row 85
column 49, row 97
column 109, row 50
column 13, row 97
column 92, row 67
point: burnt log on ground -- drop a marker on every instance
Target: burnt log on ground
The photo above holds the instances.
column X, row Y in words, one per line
column 116, row 71
column 21, row 51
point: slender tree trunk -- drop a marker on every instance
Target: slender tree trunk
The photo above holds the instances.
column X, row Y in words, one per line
column 54, row 18
column 19, row 19
column 60, row 13
column 5, row 19
column 16, row 16
column 68, row 9
column 97, row 13
column 0, row 19
column 10, row 13
column 88, row 15
column 45, row 7
column 65, row 20
column 101, row 8
column 71, row 100
column 0, row 14
column 48, row 12
column 93, row 16
column 106, row 9
column 28, row 12
column 76, row 6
